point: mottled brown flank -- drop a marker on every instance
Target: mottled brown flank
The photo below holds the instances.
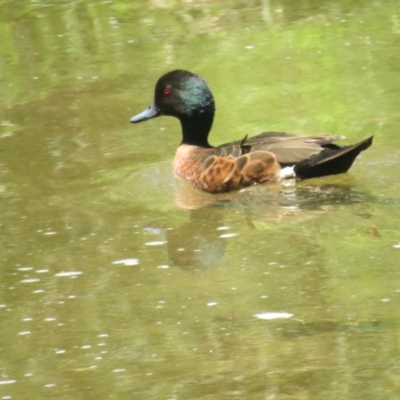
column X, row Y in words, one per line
column 258, row 159
column 213, row 173
column 208, row 162
column 228, row 168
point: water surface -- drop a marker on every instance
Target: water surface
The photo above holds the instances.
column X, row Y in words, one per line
column 120, row 281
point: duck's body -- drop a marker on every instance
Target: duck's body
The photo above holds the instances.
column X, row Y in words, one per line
column 267, row 157
column 219, row 170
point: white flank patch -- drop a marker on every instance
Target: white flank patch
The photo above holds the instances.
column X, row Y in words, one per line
column 287, row 173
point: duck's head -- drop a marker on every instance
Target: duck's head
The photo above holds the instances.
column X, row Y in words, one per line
column 186, row 96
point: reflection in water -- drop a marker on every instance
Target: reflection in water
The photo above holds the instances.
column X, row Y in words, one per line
column 200, row 242
column 302, row 328
column 294, row 202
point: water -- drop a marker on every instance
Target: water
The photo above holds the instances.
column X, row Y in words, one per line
column 120, row 281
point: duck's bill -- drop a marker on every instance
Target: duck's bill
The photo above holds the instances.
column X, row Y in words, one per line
column 148, row 113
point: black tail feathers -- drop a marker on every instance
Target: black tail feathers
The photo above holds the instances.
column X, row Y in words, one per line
column 331, row 161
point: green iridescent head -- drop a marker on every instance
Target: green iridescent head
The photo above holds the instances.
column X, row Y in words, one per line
column 180, row 94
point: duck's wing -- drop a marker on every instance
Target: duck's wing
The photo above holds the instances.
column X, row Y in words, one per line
column 233, row 149
column 312, row 156
column 246, row 145
column 290, row 149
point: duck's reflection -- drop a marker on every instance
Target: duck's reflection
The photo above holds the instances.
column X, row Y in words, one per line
column 198, row 243
column 201, row 241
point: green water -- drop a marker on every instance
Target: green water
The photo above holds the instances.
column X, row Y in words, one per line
column 119, row 281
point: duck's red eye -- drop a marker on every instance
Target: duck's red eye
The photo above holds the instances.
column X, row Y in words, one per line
column 167, row 91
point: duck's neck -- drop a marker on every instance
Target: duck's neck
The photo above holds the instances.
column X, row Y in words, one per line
column 195, row 130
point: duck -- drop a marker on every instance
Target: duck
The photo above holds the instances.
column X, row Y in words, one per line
column 266, row 157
